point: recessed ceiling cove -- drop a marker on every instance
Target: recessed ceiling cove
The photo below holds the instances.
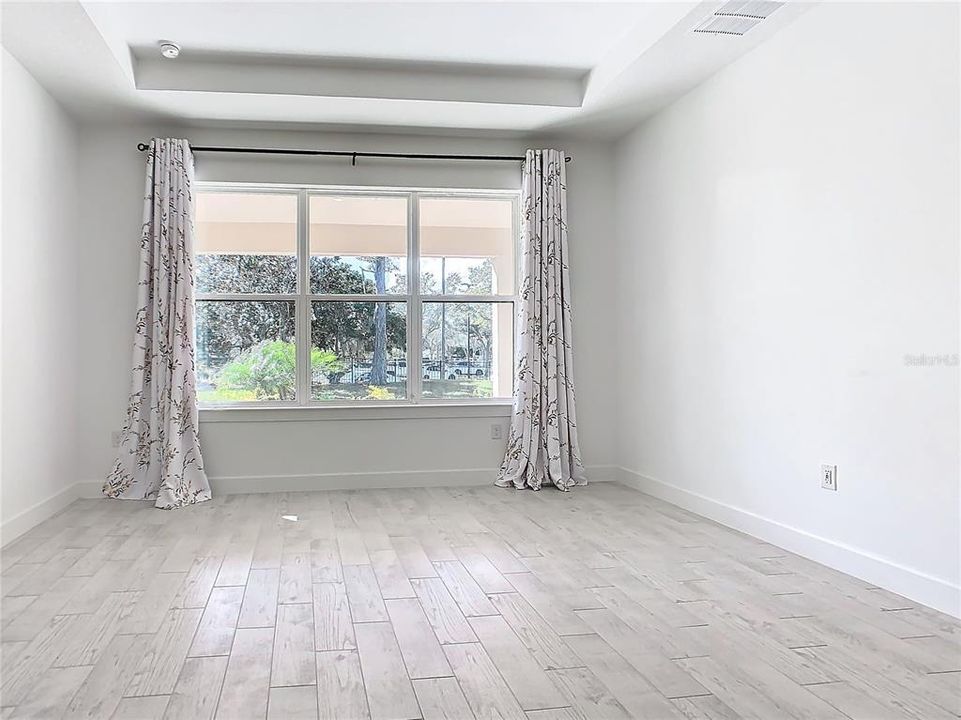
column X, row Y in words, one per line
column 494, row 67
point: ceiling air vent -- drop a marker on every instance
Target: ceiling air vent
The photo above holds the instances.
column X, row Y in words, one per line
column 737, row 17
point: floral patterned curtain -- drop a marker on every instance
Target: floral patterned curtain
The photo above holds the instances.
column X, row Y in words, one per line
column 159, row 451
column 542, row 445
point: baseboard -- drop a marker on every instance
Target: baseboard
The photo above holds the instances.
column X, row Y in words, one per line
column 244, row 484
column 90, row 489
column 22, row 522
column 601, row 473
column 251, row 484
column 931, row 591
column 462, row 477
column 247, row 484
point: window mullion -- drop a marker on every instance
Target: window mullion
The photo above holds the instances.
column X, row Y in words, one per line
column 303, row 303
column 471, row 298
column 367, row 297
column 246, row 297
column 414, row 330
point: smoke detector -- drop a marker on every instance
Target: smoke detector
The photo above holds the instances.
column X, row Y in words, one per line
column 737, row 17
column 169, row 50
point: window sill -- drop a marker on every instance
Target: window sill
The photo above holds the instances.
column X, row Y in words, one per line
column 424, row 411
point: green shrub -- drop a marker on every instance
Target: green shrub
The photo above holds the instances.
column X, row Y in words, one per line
column 268, row 371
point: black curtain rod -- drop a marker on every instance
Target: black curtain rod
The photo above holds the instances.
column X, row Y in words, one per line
column 351, row 154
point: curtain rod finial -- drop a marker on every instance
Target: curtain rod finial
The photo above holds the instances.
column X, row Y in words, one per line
column 142, row 146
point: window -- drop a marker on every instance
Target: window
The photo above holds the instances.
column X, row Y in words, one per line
column 310, row 297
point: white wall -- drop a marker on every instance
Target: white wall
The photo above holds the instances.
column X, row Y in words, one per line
column 242, row 456
column 789, row 232
column 41, row 242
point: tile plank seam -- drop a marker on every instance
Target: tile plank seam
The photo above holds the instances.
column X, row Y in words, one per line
column 681, row 590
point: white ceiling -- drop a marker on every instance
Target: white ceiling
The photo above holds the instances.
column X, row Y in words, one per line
column 498, row 67
column 499, row 33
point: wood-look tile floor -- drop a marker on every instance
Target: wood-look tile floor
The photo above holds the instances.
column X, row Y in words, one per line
column 450, row 603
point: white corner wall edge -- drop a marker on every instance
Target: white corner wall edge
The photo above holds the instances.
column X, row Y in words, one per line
column 247, row 484
column 926, row 589
column 31, row 517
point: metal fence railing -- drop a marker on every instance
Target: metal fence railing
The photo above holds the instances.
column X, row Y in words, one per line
column 358, row 372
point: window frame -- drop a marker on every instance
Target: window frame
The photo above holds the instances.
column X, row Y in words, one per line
column 413, row 299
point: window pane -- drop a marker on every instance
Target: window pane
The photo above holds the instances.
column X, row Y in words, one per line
column 358, row 351
column 466, row 246
column 246, row 243
column 246, row 351
column 468, row 349
column 358, row 244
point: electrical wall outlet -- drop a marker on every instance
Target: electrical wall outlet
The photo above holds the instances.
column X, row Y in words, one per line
column 115, row 438
column 829, row 477
column 496, row 431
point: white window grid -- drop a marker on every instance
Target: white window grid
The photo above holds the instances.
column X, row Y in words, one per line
column 413, row 299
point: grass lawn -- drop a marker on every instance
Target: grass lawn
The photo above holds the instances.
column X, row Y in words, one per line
column 212, row 397
column 433, row 389
column 467, row 388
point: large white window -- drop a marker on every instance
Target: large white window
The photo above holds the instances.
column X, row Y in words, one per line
column 314, row 296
